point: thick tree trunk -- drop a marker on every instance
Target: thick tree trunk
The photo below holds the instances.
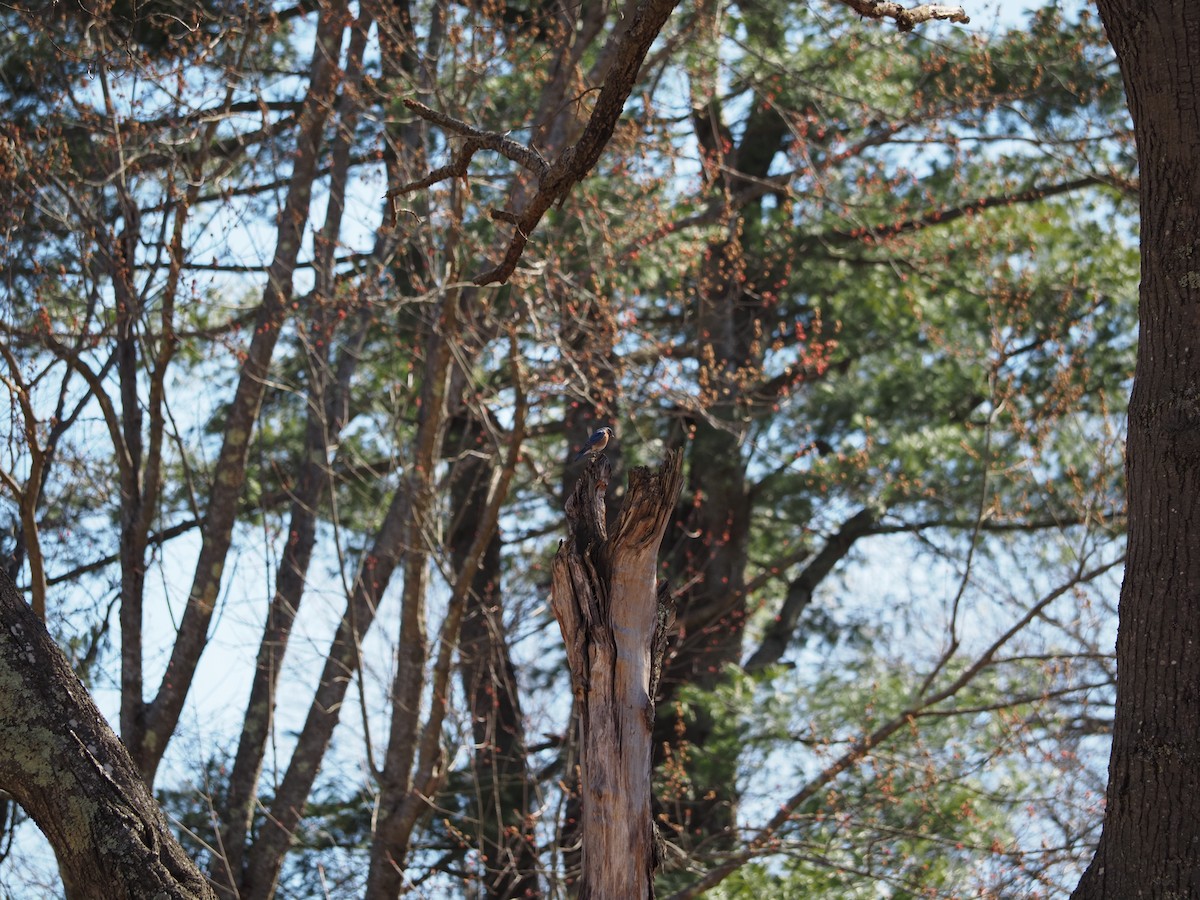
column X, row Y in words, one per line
column 730, row 312
column 1150, row 846
column 712, row 622
column 66, row 767
column 614, row 616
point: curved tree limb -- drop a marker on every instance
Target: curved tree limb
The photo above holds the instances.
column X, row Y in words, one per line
column 62, row 762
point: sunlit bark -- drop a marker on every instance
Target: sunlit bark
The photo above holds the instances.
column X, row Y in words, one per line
column 73, row 776
column 615, row 615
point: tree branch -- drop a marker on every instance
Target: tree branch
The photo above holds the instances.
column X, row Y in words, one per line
column 800, row 590
column 907, row 18
column 627, row 50
column 62, row 762
column 945, row 215
column 767, row 837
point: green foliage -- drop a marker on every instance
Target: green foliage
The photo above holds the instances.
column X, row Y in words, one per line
column 911, row 820
column 845, row 269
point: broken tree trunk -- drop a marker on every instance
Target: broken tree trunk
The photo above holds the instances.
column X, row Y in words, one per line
column 615, row 615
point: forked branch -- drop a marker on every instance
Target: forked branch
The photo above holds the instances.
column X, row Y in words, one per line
column 627, row 49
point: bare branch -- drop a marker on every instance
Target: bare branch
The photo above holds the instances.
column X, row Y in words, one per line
column 945, row 215
column 766, row 839
column 907, row 19
column 524, row 156
column 800, row 591
column 627, row 49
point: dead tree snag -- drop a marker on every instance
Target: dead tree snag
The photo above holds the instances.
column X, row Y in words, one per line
column 615, row 615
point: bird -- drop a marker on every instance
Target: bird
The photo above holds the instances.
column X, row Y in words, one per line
column 595, row 444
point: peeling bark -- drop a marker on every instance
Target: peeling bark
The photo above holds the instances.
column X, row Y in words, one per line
column 615, row 616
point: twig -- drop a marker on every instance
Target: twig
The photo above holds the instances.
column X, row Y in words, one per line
column 526, row 157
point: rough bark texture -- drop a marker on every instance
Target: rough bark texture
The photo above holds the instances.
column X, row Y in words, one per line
column 66, row 767
column 1150, row 846
column 614, row 620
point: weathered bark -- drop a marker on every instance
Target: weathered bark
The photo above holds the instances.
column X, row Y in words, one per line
column 1150, row 846
column 614, row 616
column 70, row 772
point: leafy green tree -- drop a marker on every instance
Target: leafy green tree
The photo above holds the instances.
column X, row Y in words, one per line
column 306, row 310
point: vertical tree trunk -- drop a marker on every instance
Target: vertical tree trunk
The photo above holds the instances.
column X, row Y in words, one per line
column 730, row 311
column 614, row 616
column 1150, row 846
column 162, row 714
column 712, row 622
column 328, row 411
column 503, row 783
column 404, row 793
column 264, row 858
column 390, row 846
column 328, row 401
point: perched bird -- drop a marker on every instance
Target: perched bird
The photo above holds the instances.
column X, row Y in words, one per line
column 595, row 444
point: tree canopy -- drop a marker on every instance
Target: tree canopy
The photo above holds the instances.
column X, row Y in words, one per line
column 306, row 309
